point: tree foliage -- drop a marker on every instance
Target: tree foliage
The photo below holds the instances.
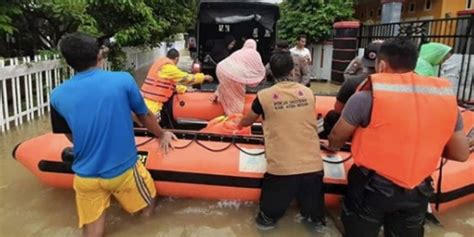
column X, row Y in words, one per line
column 314, row 18
column 39, row 25
column 8, row 11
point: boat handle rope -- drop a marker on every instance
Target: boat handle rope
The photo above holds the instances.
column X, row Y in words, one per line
column 246, row 152
column 337, row 162
column 145, row 142
column 211, row 149
column 194, row 140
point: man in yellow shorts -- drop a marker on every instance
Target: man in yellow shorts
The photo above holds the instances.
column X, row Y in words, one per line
column 93, row 110
column 164, row 78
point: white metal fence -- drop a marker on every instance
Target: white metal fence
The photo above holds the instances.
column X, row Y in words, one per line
column 25, row 84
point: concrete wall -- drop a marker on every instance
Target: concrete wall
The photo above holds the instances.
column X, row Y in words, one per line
column 439, row 9
column 322, row 61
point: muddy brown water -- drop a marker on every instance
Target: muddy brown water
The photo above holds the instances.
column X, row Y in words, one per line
column 30, row 208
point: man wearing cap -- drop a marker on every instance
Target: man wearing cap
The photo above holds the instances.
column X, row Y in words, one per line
column 357, row 71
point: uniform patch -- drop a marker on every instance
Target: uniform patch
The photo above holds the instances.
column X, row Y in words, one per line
column 276, row 96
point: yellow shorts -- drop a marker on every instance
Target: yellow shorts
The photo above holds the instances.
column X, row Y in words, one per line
column 134, row 189
column 153, row 106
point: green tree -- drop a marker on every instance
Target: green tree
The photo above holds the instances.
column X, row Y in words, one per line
column 314, row 18
column 39, row 25
column 8, row 11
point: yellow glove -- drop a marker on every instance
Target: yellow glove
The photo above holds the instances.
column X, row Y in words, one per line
column 181, row 89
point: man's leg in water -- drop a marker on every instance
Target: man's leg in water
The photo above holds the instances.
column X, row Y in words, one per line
column 96, row 228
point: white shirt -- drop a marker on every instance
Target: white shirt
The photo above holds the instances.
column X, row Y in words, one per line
column 304, row 52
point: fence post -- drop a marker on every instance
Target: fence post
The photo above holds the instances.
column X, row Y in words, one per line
column 14, row 92
column 2, row 103
column 345, row 48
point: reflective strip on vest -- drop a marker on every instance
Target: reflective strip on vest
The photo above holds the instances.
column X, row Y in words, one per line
column 413, row 89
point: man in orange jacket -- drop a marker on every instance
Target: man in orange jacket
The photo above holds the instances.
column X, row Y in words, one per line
column 401, row 124
column 164, row 78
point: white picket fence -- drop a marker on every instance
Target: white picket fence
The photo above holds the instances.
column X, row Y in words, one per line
column 26, row 85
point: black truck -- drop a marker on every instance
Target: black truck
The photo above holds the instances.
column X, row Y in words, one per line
column 242, row 19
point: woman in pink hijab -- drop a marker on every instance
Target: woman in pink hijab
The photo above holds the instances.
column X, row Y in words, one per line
column 243, row 67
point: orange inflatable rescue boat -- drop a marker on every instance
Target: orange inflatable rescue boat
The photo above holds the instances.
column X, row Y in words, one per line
column 209, row 165
column 194, row 109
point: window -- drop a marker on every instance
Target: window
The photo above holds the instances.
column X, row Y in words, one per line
column 223, row 28
column 362, row 15
column 268, row 34
column 371, row 13
column 412, row 7
column 255, row 32
column 428, row 4
column 469, row 4
column 379, row 12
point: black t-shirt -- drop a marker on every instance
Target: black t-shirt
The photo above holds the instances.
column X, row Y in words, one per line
column 58, row 123
column 348, row 88
column 257, row 107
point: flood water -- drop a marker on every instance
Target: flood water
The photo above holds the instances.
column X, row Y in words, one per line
column 29, row 208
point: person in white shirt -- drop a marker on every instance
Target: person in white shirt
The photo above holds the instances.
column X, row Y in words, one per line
column 300, row 50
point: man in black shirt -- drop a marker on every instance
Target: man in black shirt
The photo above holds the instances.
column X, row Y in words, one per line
column 357, row 71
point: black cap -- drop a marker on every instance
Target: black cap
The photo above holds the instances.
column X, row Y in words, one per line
column 370, row 53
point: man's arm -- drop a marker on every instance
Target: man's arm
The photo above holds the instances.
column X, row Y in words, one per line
column 148, row 120
column 146, row 117
column 340, row 134
column 356, row 113
column 310, row 59
column 250, row 118
column 174, row 73
column 457, row 148
column 305, row 72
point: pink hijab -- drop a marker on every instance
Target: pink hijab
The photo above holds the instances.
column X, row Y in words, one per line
column 244, row 67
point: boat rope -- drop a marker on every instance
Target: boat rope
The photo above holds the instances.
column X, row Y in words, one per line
column 337, row 162
column 212, row 149
column 145, row 142
column 246, row 152
column 185, row 146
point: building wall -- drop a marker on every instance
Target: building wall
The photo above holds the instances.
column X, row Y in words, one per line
column 439, row 9
column 450, row 8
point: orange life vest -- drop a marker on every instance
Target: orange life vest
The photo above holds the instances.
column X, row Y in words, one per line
column 412, row 119
column 155, row 88
column 226, row 125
